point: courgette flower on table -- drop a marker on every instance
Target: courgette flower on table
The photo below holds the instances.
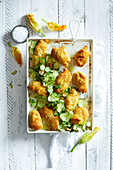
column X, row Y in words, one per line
column 17, row 54
column 54, row 26
column 34, row 25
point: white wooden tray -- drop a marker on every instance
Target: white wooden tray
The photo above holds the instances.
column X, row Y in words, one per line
column 87, row 69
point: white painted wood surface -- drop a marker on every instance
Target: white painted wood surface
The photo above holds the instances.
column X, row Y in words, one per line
column 22, row 151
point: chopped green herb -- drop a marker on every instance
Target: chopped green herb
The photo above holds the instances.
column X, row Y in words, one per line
column 55, row 114
column 49, row 105
column 36, row 67
column 57, row 86
column 67, row 90
column 19, row 85
column 11, row 86
column 14, row 72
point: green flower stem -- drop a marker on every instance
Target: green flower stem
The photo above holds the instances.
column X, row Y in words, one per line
column 43, row 34
column 9, row 45
column 86, row 137
column 44, row 20
column 74, row 146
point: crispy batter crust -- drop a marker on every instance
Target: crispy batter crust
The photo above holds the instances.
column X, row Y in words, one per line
column 61, row 55
column 71, row 100
column 80, row 81
column 41, row 49
column 35, row 61
column 35, row 120
column 50, row 120
column 63, row 80
column 38, row 88
column 81, row 56
column 80, row 115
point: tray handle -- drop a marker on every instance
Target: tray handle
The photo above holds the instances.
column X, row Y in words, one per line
column 72, row 24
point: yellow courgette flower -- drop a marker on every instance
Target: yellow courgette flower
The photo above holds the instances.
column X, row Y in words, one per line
column 54, row 26
column 17, row 54
column 86, row 137
column 34, row 25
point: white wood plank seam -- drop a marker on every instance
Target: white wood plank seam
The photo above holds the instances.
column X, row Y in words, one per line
column 111, row 80
column 11, row 141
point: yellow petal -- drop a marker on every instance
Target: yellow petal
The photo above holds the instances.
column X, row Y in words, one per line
column 17, row 55
column 54, row 26
column 86, row 137
column 34, row 25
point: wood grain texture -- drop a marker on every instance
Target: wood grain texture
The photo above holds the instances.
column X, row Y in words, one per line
column 22, row 151
column 4, row 161
column 49, row 11
column 98, row 150
column 111, row 78
column 70, row 10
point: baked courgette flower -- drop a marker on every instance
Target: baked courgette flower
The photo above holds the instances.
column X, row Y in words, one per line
column 54, row 26
column 86, row 137
column 17, row 54
column 34, row 25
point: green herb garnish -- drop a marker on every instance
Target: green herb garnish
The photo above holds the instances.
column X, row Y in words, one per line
column 57, row 86
column 19, row 85
column 14, row 72
column 10, row 84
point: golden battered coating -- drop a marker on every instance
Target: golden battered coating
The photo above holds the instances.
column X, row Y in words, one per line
column 81, row 56
column 41, row 49
column 63, row 80
column 71, row 100
column 80, row 115
column 35, row 120
column 50, row 120
column 38, row 88
column 80, row 81
column 61, row 55
column 35, row 60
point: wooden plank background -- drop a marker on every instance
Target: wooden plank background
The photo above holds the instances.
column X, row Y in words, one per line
column 22, row 151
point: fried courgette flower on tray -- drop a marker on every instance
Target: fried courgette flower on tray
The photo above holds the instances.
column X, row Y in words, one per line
column 81, row 56
column 80, row 81
column 51, row 121
column 71, row 99
column 80, row 115
column 35, row 120
column 39, row 52
column 61, row 55
column 63, row 80
column 37, row 88
column 41, row 49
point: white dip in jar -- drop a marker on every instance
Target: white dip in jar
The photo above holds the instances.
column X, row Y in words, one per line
column 20, row 33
